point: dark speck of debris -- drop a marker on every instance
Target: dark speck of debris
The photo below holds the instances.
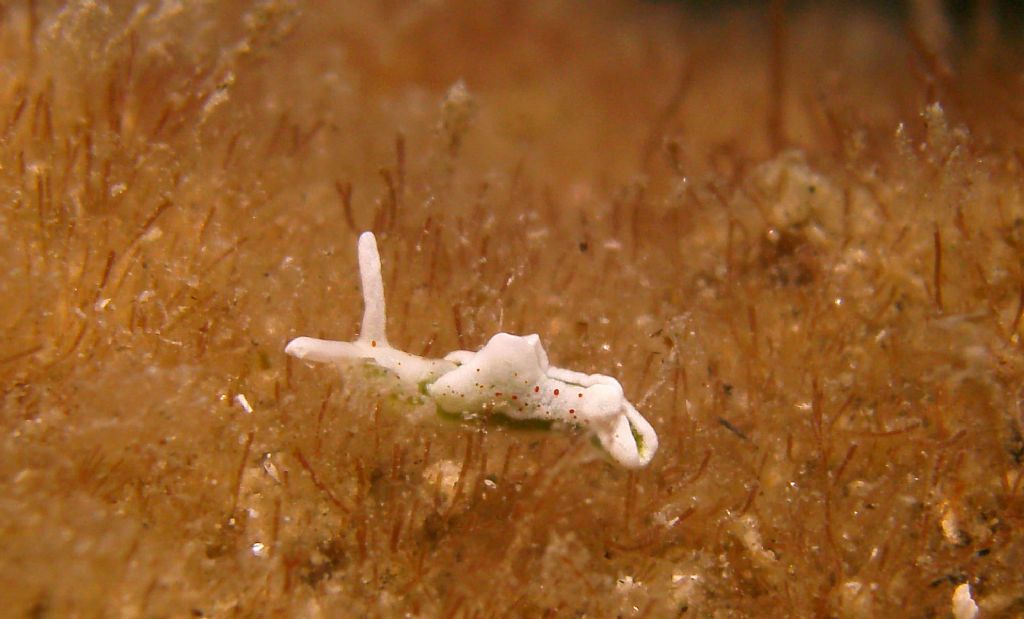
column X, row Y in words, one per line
column 728, row 426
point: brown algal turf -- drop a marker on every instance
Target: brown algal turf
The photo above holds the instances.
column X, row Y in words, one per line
column 794, row 233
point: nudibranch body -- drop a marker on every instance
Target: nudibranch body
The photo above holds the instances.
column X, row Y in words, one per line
column 510, row 376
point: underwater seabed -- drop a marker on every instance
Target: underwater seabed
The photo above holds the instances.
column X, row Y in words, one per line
column 788, row 235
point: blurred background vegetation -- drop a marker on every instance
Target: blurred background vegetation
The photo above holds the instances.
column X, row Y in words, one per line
column 793, row 231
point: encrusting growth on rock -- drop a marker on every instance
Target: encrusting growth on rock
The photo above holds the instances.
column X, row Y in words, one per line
column 509, row 376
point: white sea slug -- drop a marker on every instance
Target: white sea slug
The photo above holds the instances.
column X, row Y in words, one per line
column 509, row 376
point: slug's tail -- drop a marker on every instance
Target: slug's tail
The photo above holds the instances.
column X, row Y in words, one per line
column 629, row 440
column 645, row 436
